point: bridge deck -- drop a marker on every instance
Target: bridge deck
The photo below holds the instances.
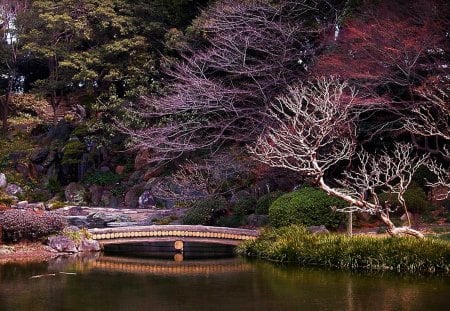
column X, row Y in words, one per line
column 221, row 235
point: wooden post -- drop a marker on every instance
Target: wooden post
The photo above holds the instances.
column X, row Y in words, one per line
column 350, row 224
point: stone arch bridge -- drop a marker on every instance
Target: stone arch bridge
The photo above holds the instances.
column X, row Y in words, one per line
column 172, row 233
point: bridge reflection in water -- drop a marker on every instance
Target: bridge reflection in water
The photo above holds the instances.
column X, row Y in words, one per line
column 163, row 267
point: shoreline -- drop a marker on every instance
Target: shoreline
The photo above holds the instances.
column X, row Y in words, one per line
column 26, row 252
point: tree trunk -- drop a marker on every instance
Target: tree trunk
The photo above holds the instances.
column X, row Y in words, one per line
column 391, row 228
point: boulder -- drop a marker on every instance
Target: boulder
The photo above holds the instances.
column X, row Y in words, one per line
column 107, row 198
column 131, row 199
column 77, row 211
column 95, row 194
column 3, row 181
column 146, row 200
column 99, row 219
column 36, row 206
column 75, row 193
column 318, row 229
column 78, row 221
column 13, row 189
column 23, row 169
column 39, row 155
column 87, row 245
column 22, row 205
column 61, row 131
column 62, row 243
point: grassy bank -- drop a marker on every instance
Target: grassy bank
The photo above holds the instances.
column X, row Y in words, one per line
column 296, row 245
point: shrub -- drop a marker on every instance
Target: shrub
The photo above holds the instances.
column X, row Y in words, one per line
column 264, row 202
column 296, row 244
column 19, row 225
column 39, row 195
column 415, row 197
column 72, row 152
column 233, row 221
column 244, row 206
column 203, row 211
column 307, row 206
column 102, row 178
column 5, row 199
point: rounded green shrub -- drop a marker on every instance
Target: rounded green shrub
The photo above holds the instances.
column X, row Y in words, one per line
column 20, row 225
column 203, row 211
column 264, row 202
column 306, row 206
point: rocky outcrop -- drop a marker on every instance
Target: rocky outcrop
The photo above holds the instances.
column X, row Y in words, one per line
column 318, row 229
column 73, row 240
column 13, row 189
column 75, row 193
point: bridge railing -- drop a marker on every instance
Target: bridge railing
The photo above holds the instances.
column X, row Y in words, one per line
column 180, row 231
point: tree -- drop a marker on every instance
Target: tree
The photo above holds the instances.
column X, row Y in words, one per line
column 315, row 130
column 9, row 51
column 394, row 52
column 221, row 90
column 92, row 45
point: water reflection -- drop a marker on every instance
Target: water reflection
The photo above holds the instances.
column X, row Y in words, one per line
column 114, row 283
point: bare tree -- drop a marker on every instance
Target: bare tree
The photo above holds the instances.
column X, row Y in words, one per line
column 315, row 130
column 221, row 92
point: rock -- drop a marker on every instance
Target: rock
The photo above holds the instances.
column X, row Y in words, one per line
column 62, row 243
column 95, row 194
column 37, row 206
column 142, row 159
column 318, row 229
column 131, row 199
column 146, row 200
column 39, row 155
column 257, row 220
column 22, row 205
column 23, row 169
column 61, row 131
column 13, row 189
column 89, row 246
column 17, row 155
column 75, row 193
column 77, row 211
column 99, row 220
column 104, row 169
column 106, row 198
column 78, row 221
column 3, row 181
column 120, row 169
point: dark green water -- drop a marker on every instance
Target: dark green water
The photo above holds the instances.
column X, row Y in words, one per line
column 112, row 283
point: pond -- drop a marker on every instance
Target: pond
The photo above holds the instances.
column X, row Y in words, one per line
column 105, row 282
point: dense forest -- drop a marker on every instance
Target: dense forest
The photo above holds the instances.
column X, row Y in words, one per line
column 225, row 105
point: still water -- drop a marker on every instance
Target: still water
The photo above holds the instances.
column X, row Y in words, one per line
column 119, row 283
